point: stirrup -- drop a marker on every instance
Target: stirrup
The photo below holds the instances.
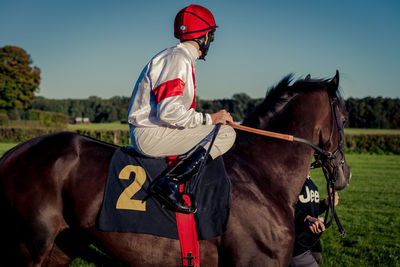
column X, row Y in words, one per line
column 177, row 208
column 166, row 191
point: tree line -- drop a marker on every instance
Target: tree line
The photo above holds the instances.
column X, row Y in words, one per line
column 365, row 112
column 19, row 81
column 370, row 112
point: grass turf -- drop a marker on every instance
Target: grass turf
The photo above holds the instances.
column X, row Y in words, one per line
column 369, row 209
column 4, row 147
column 356, row 131
column 99, row 126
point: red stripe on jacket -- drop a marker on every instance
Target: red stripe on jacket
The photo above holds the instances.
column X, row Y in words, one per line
column 193, row 106
column 168, row 89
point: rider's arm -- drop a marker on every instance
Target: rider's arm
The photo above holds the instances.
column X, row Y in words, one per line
column 174, row 94
column 172, row 111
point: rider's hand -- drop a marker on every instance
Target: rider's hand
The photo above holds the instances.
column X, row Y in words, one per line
column 316, row 226
column 336, row 198
column 221, row 116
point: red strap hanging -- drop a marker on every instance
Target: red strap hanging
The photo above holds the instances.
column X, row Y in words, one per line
column 187, row 232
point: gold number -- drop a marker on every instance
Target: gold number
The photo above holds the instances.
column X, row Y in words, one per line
column 124, row 201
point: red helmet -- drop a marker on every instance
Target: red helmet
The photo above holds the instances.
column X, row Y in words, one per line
column 193, row 22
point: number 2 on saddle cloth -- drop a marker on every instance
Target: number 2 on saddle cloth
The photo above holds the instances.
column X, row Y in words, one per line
column 127, row 207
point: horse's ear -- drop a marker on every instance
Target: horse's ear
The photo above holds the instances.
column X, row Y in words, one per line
column 308, row 77
column 335, row 80
column 333, row 85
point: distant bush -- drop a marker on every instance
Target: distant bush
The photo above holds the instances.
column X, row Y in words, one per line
column 15, row 114
column 4, row 120
column 47, row 118
column 376, row 144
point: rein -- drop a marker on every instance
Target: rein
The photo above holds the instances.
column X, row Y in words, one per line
column 286, row 137
column 324, row 159
column 331, row 178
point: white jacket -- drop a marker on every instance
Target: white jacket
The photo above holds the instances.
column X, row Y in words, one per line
column 164, row 94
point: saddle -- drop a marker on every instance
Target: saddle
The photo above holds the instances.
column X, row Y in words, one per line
column 128, row 207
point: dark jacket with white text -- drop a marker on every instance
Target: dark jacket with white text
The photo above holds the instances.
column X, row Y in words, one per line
column 309, row 203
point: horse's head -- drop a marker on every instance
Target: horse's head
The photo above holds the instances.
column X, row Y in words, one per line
column 331, row 137
column 310, row 110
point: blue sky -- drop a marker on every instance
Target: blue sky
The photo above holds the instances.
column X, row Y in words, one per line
column 87, row 48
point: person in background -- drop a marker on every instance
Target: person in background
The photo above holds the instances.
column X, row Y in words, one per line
column 162, row 114
column 307, row 247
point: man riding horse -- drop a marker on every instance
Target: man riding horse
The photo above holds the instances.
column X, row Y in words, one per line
column 162, row 113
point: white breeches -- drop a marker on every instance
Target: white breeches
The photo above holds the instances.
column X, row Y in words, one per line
column 163, row 141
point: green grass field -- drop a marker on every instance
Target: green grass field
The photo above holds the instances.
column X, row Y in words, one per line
column 369, row 209
column 99, row 126
column 6, row 146
column 371, row 131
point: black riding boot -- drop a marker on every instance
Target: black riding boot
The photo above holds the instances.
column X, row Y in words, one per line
column 166, row 189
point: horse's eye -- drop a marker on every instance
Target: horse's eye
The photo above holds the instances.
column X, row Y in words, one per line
column 344, row 122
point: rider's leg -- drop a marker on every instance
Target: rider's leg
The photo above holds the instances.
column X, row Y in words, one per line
column 167, row 142
column 163, row 141
column 166, row 189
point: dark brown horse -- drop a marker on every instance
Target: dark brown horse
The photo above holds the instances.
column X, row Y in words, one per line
column 51, row 189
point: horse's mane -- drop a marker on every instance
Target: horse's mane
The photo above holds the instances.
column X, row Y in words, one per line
column 275, row 102
column 277, row 97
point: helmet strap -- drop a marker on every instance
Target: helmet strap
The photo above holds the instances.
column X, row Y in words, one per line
column 203, row 45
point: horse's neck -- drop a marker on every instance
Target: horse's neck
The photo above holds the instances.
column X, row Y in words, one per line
column 278, row 168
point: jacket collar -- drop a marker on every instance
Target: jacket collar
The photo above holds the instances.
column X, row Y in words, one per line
column 194, row 54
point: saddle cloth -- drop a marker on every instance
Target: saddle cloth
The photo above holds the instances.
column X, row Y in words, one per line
column 127, row 207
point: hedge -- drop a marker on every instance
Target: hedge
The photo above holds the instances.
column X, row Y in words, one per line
column 372, row 143
column 20, row 134
column 377, row 144
column 117, row 137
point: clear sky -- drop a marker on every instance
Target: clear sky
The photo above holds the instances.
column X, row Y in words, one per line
column 97, row 47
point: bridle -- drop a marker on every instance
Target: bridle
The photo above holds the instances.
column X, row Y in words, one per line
column 326, row 160
column 323, row 158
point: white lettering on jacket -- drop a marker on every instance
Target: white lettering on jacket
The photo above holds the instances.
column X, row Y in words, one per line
column 311, row 196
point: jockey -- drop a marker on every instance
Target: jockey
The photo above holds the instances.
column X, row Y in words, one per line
column 162, row 114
